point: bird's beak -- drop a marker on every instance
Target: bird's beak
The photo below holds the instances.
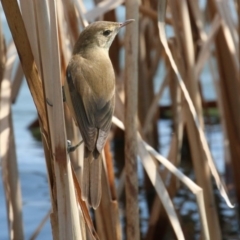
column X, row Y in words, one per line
column 126, row 22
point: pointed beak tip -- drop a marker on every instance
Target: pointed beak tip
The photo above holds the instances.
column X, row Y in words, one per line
column 126, row 22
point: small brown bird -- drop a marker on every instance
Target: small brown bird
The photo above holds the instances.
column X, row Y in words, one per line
column 90, row 95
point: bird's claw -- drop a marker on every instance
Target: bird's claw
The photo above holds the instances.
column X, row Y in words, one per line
column 71, row 148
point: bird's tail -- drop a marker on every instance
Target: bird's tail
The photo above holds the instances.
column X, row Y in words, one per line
column 91, row 184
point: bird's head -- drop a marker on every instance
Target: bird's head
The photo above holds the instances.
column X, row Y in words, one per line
column 99, row 34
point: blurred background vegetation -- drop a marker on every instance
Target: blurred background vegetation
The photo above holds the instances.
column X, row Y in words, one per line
column 203, row 39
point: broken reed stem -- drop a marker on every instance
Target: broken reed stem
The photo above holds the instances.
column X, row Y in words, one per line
column 131, row 106
column 19, row 34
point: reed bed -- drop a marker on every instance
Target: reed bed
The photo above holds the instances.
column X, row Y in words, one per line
column 182, row 38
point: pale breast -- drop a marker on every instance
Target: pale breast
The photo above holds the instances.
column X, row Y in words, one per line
column 97, row 72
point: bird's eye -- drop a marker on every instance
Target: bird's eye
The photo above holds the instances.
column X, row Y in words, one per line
column 106, row 32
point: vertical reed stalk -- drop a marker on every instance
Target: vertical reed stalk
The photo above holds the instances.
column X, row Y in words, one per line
column 131, row 106
column 21, row 41
column 17, row 82
column 107, row 214
column 229, row 84
column 8, row 157
column 67, row 220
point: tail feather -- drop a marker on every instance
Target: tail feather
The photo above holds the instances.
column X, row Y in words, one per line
column 85, row 183
column 95, row 182
column 91, row 185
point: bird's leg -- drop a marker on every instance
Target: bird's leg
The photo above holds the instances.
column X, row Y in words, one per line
column 63, row 93
column 71, row 148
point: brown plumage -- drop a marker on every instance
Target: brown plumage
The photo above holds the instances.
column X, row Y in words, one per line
column 90, row 95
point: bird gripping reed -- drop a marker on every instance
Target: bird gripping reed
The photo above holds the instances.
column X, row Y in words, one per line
column 90, row 95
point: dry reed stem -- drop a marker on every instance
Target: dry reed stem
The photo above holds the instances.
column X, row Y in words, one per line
column 114, row 51
column 72, row 130
column 17, row 81
column 183, row 36
column 81, row 10
column 41, row 54
column 195, row 133
column 154, row 219
column 40, row 226
column 3, row 54
column 229, row 83
column 8, row 159
column 145, row 87
column 148, row 12
column 205, row 51
column 92, row 232
column 201, row 169
column 198, row 17
column 224, row 121
column 29, row 12
column 229, row 30
column 238, row 12
column 64, row 46
column 5, row 104
column 110, row 170
column 121, row 184
column 131, row 121
column 71, row 19
column 43, row 28
column 20, row 37
column 12, row 187
column 156, row 210
column 176, row 96
column 28, row 15
column 101, row 8
column 107, row 214
column 69, row 226
column 192, row 110
column 119, row 114
column 21, row 41
column 191, row 80
column 156, row 180
column 154, row 105
column 195, row 189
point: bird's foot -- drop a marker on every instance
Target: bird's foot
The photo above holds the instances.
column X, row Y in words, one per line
column 71, row 148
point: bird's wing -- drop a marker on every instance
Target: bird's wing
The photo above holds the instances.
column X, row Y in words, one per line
column 86, row 124
column 93, row 109
column 103, row 118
